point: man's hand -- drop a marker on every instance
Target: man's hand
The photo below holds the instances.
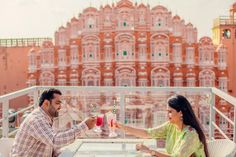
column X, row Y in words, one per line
column 90, row 122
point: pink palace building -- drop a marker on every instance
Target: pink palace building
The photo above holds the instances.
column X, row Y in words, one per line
column 128, row 44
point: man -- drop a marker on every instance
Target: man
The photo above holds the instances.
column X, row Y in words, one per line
column 37, row 138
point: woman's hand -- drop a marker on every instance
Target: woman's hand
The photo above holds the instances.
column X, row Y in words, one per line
column 153, row 153
column 143, row 148
column 119, row 125
column 158, row 154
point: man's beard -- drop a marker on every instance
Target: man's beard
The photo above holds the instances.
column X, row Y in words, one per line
column 52, row 111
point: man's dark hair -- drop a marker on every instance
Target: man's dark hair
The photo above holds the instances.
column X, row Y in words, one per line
column 48, row 95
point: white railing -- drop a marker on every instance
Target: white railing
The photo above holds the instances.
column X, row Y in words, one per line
column 123, row 95
column 229, row 99
column 5, row 99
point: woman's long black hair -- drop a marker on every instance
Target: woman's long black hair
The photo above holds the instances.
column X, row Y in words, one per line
column 180, row 103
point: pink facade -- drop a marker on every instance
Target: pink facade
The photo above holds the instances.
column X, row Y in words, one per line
column 128, row 44
column 224, row 32
column 14, row 67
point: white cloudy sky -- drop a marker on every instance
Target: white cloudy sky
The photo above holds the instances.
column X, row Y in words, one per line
column 41, row 18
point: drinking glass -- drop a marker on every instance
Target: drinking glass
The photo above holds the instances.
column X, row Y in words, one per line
column 99, row 122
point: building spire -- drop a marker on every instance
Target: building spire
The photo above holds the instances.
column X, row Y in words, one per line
column 101, row 4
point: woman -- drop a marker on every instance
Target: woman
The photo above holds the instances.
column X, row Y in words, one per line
column 182, row 133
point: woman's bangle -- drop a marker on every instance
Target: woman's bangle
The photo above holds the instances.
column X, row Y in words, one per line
column 153, row 152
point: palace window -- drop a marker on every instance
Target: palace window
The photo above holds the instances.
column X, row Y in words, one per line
column 125, row 53
column 226, row 33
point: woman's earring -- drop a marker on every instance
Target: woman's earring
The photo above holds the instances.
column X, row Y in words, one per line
column 181, row 117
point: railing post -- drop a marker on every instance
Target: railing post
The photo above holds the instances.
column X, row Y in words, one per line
column 234, row 124
column 36, row 97
column 212, row 116
column 122, row 108
column 5, row 123
column 122, row 116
